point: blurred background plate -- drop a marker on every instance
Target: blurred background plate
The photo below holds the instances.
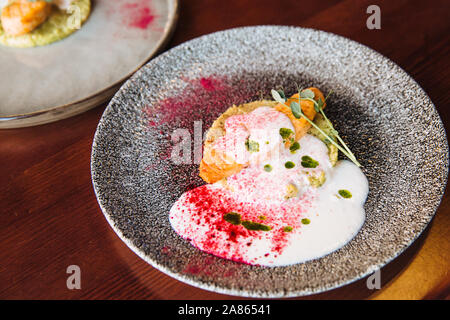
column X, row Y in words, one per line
column 45, row 84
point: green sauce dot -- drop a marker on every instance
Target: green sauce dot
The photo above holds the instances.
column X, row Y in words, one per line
column 267, row 168
column 306, row 221
column 287, row 229
column 295, row 146
column 233, row 218
column 255, row 226
column 345, row 194
column 308, row 162
column 285, row 133
column 289, row 165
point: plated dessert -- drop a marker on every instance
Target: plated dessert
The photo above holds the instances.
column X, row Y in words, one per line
column 30, row 23
column 397, row 136
column 276, row 193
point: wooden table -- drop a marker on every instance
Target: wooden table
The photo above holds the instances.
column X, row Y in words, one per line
column 50, row 219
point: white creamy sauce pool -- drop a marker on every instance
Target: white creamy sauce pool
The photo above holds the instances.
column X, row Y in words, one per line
column 307, row 220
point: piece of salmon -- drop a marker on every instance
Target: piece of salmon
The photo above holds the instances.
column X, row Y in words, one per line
column 22, row 17
column 301, row 125
column 215, row 166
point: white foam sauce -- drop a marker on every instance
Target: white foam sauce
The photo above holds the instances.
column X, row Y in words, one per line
column 334, row 220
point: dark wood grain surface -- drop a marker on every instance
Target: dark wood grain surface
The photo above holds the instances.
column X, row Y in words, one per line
column 49, row 216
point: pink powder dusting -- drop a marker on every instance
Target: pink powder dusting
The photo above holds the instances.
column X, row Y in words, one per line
column 177, row 108
column 208, row 84
column 200, row 266
column 138, row 14
column 166, row 250
column 205, row 206
column 203, row 97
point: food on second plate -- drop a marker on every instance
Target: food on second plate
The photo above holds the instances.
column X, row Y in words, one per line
column 276, row 192
column 27, row 23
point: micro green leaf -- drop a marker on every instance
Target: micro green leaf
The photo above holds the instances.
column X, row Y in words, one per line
column 296, row 111
column 277, row 97
column 307, row 94
column 282, row 95
column 319, row 105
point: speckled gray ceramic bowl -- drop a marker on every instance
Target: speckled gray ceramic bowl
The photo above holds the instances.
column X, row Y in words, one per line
column 49, row 83
column 387, row 119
